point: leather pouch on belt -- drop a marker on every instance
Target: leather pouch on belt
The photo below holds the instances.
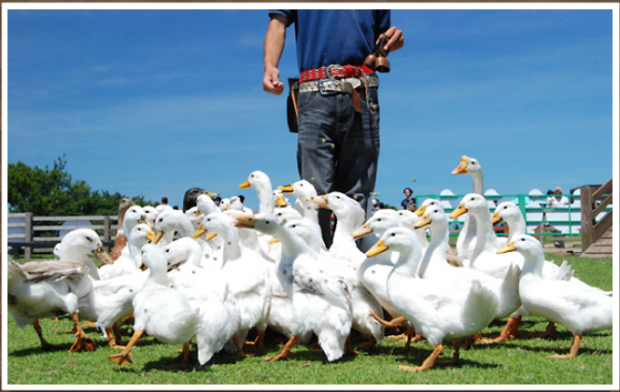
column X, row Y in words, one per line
column 291, row 105
column 357, row 103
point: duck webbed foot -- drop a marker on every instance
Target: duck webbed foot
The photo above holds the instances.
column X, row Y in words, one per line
column 549, row 331
column 428, row 362
column 573, row 350
column 286, row 350
column 83, row 342
column 510, row 331
column 124, row 357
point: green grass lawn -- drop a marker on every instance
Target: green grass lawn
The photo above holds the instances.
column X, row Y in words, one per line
column 516, row 362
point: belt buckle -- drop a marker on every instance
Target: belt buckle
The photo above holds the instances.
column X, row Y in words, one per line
column 323, row 92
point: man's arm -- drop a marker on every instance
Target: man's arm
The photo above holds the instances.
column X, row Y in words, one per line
column 274, row 46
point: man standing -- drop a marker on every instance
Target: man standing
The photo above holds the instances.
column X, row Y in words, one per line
column 410, row 202
column 338, row 107
column 163, row 206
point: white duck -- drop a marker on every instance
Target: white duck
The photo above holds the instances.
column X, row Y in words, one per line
column 208, row 292
column 439, row 309
column 578, row 309
column 110, row 300
column 451, row 255
column 408, row 220
column 159, row 310
column 511, row 214
column 129, row 261
column 281, row 313
column 247, row 272
column 264, row 191
column 49, row 288
column 484, row 256
column 151, row 215
column 133, row 216
column 466, row 241
column 77, row 244
column 486, row 259
column 170, row 222
column 435, row 264
column 345, row 252
column 46, row 289
column 374, row 271
column 213, row 253
column 304, row 191
column 320, row 299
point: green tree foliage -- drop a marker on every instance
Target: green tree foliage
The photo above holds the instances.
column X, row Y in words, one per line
column 51, row 192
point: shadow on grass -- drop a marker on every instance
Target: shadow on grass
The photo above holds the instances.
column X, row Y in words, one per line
column 556, row 350
column 37, row 350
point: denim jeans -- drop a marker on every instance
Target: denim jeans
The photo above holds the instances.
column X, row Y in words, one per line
column 338, row 147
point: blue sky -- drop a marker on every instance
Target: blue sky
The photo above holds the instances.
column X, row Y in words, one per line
column 155, row 102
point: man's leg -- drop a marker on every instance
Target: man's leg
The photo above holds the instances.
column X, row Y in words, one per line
column 317, row 148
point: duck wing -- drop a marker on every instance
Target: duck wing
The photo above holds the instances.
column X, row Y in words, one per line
column 53, row 270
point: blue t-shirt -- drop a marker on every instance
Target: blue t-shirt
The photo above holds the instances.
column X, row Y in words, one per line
column 326, row 37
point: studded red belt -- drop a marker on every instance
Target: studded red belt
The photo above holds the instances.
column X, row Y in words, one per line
column 334, row 72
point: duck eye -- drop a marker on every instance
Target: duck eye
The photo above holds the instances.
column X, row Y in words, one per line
column 89, row 239
column 393, row 234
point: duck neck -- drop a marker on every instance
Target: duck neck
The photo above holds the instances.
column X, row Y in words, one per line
column 516, row 228
column 194, row 256
column 293, row 245
column 265, row 198
column 157, row 276
column 185, row 228
column 478, row 182
column 232, row 245
column 344, row 244
column 408, row 264
column 486, row 240
column 437, row 248
column 533, row 263
column 74, row 256
column 310, row 210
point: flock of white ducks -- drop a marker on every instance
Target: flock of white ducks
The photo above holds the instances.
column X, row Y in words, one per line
column 214, row 273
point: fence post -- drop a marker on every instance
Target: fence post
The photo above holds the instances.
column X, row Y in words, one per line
column 28, row 234
column 106, row 228
column 586, row 218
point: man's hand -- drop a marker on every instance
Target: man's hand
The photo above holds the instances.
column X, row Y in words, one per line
column 271, row 84
column 395, row 39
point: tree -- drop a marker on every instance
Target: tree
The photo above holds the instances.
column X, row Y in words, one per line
column 51, row 192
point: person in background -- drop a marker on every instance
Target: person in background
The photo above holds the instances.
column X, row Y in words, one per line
column 163, row 206
column 409, row 203
column 217, row 200
column 337, row 105
column 377, row 205
column 557, row 200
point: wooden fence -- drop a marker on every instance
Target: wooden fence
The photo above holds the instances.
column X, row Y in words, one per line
column 29, row 232
column 596, row 234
